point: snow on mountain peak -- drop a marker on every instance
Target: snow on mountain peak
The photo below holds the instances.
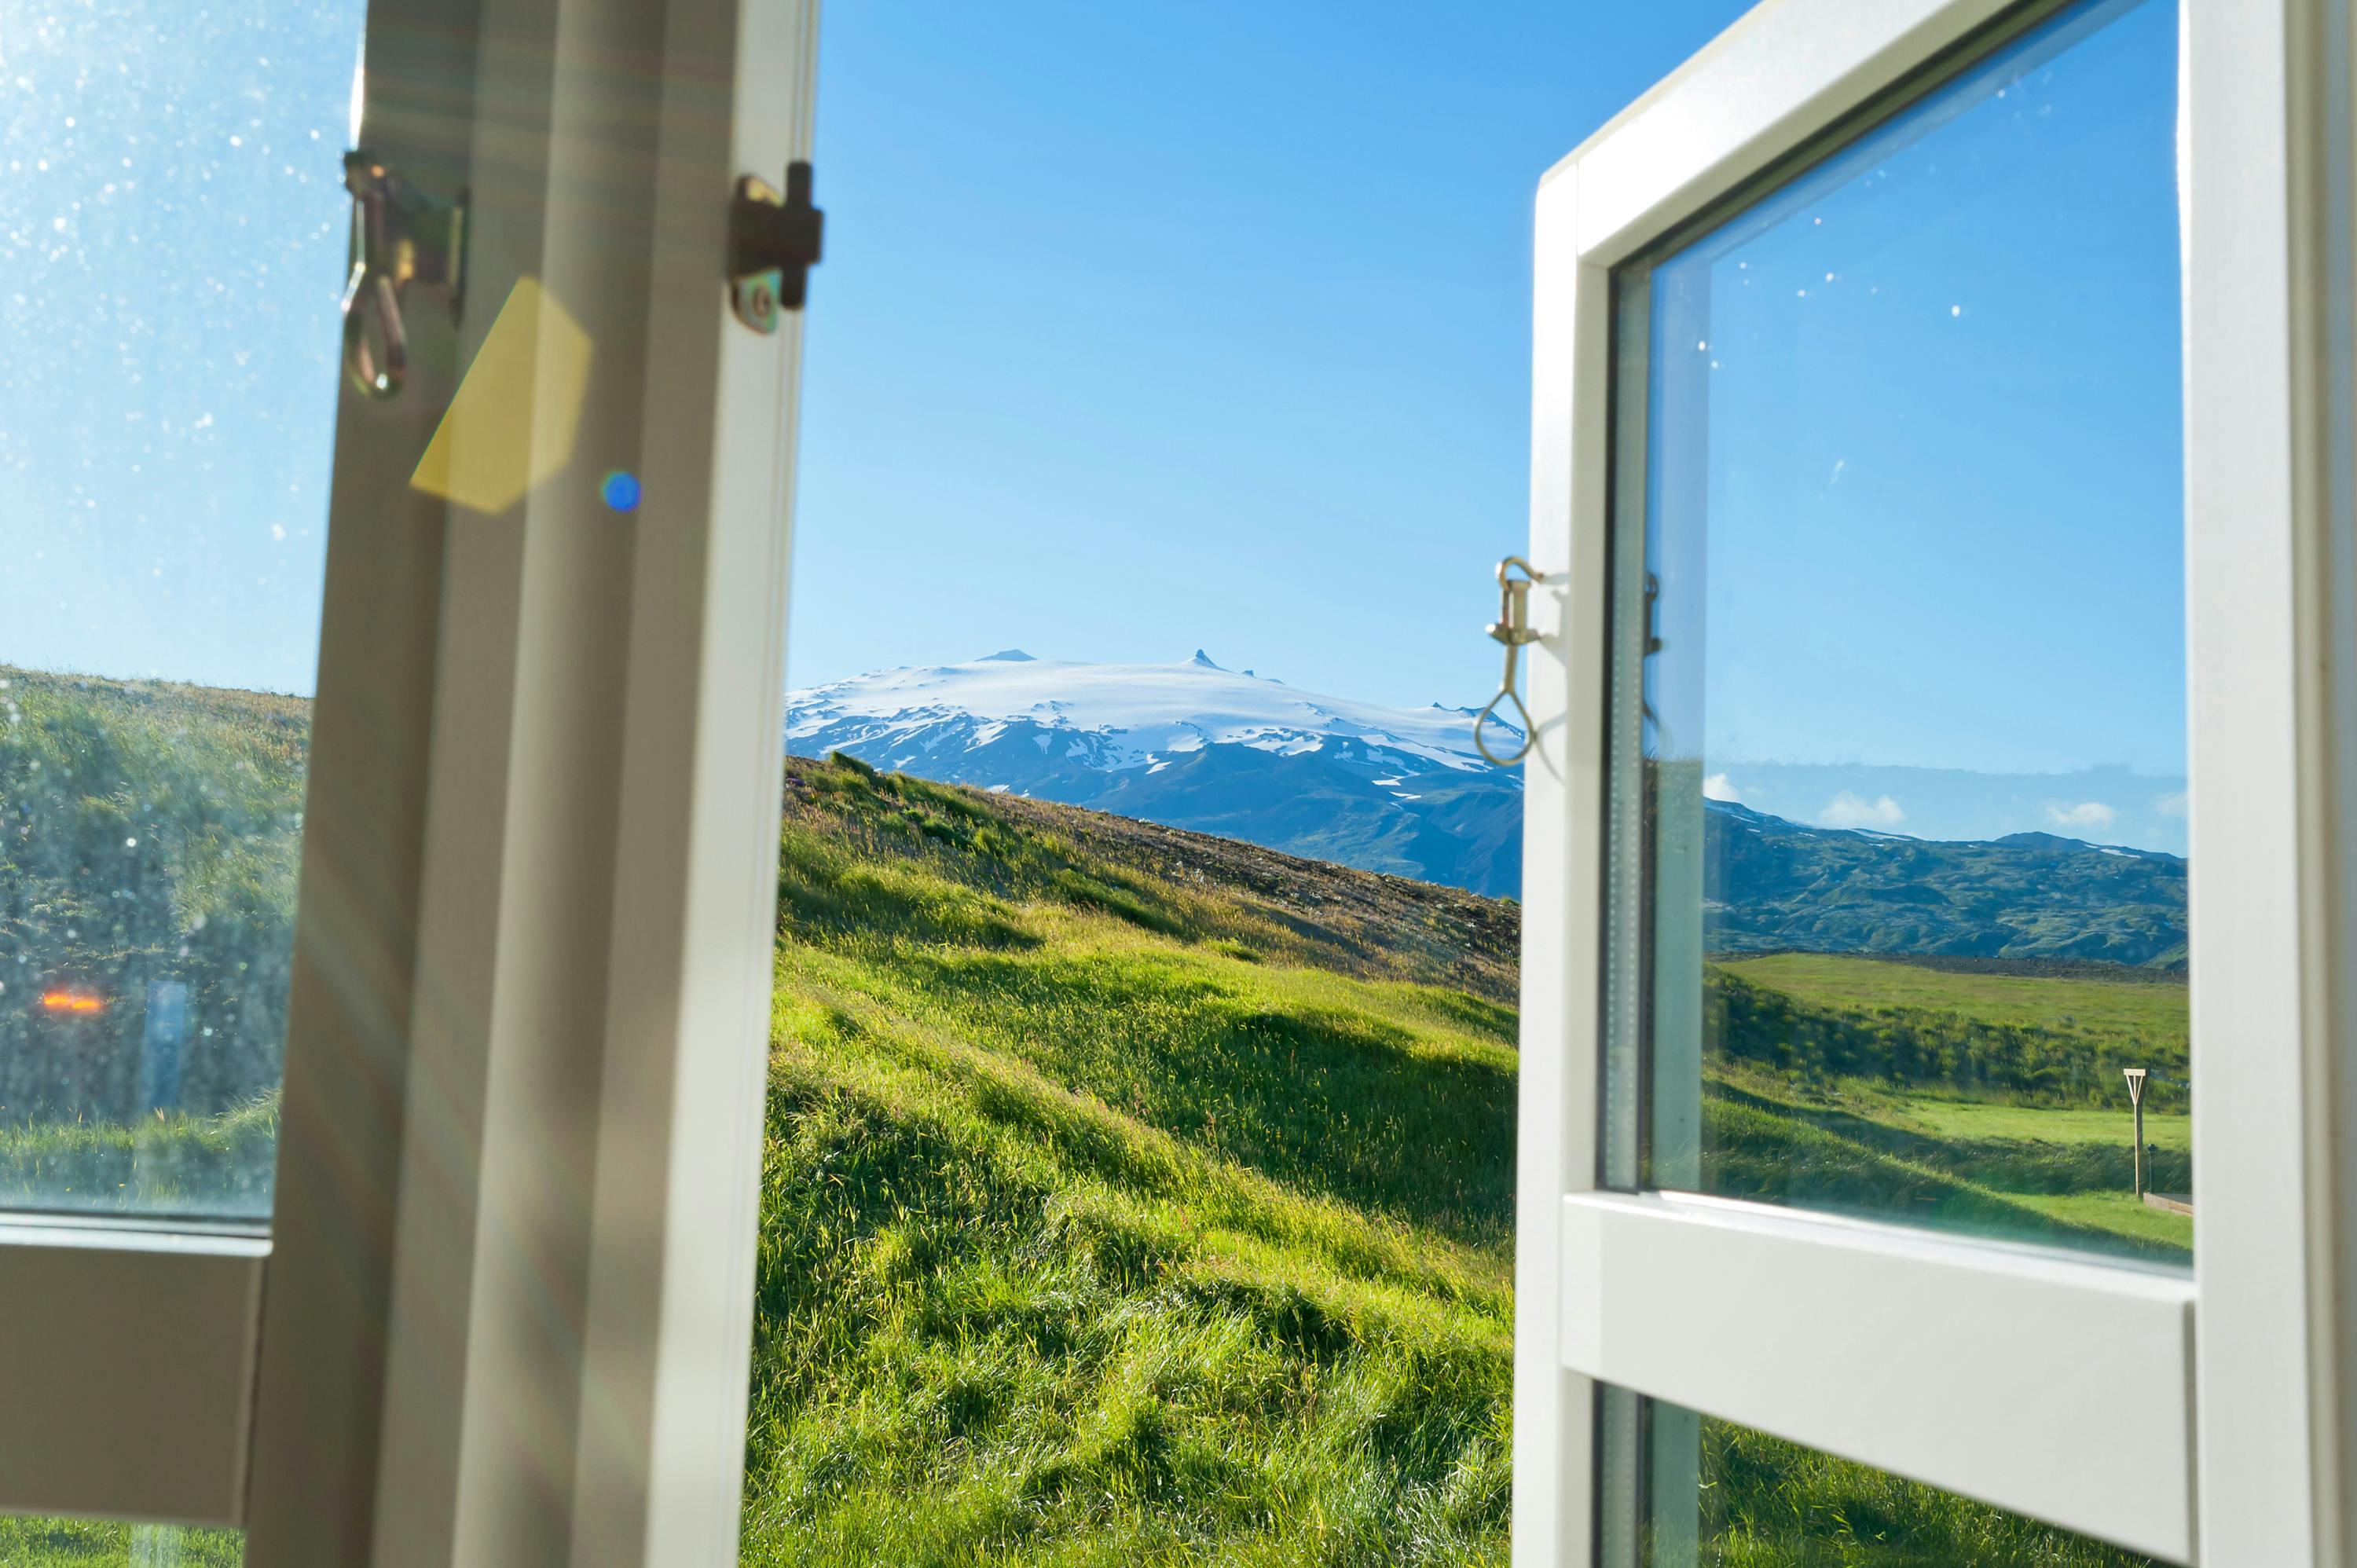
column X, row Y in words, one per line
column 1113, row 716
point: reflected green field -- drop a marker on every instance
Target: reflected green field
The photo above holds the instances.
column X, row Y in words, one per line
column 2120, row 1213
column 2143, row 1007
column 1767, row 1503
column 1990, row 1103
column 102, row 1543
column 1973, row 1121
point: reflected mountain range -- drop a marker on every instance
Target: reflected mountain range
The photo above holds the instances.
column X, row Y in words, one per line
column 2080, row 867
column 2107, row 805
column 1771, row 884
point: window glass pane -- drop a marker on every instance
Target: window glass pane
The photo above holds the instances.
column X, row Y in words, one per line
column 175, row 226
column 1710, row 1494
column 106, row 1543
column 1899, row 792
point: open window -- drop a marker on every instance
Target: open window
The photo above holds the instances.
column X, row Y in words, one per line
column 337, row 1028
column 381, row 1164
column 1922, row 493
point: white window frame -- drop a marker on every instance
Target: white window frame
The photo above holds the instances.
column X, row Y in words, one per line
column 503, row 1312
column 2198, row 1419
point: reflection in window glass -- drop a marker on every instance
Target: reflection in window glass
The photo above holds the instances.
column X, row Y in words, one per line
column 105, row 1543
column 1899, row 800
column 175, row 225
column 1710, row 1494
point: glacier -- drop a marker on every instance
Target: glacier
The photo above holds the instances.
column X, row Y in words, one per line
column 1192, row 745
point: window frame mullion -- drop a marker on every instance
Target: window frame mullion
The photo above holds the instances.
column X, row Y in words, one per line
column 2264, row 184
column 1557, row 1082
column 319, row 1392
column 540, row 1357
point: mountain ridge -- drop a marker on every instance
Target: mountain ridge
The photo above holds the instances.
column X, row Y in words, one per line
column 1194, row 745
column 1789, row 886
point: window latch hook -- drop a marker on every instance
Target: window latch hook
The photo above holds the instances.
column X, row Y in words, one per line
column 1512, row 628
column 400, row 236
column 774, row 240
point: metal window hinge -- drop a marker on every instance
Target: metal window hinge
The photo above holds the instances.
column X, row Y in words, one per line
column 773, row 242
column 400, row 236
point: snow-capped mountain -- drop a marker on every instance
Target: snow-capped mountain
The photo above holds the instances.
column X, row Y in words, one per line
column 1194, row 745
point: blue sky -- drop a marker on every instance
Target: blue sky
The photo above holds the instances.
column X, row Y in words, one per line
column 172, row 235
column 1138, row 335
column 1148, row 328
column 1915, row 437
column 1141, row 328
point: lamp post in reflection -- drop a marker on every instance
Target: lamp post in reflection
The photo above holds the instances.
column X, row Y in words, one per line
column 163, row 1046
column 2135, row 1076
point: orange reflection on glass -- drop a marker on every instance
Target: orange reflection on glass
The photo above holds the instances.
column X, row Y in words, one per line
column 72, row 1002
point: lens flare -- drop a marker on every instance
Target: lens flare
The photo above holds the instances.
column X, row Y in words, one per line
column 512, row 422
column 621, row 489
column 72, row 1002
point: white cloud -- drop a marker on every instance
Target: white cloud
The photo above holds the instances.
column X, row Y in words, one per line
column 1717, row 787
column 1848, row 811
column 2171, row 805
column 2085, row 814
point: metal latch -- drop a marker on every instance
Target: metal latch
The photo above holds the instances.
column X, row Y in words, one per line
column 1512, row 628
column 400, row 236
column 773, row 242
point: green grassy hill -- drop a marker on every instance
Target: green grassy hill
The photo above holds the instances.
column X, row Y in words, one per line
column 1139, row 1196
column 1131, row 1195
column 149, row 837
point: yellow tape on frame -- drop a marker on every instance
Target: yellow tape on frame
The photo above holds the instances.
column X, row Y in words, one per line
column 512, row 422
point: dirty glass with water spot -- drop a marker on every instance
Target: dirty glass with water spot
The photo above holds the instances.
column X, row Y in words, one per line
column 175, row 231
column 1898, row 796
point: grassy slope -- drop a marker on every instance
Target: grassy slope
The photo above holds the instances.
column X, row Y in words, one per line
column 149, row 832
column 1103, row 1221
column 1134, row 1196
